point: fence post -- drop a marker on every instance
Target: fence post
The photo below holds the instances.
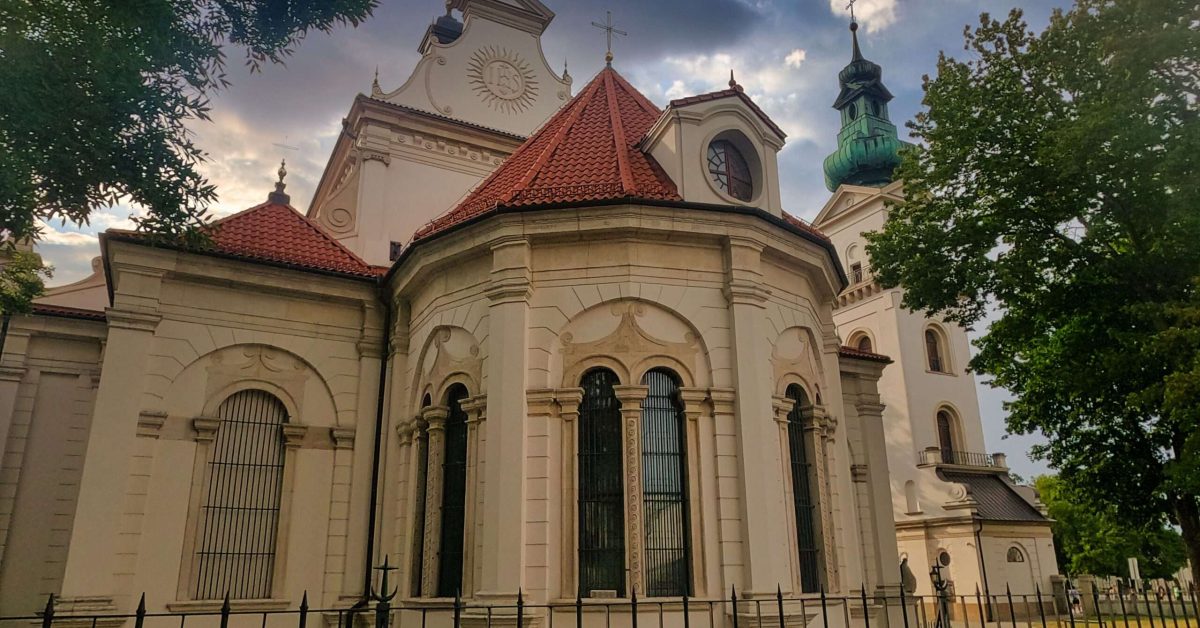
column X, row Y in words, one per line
column 1158, row 599
column 140, row 614
column 1041, row 609
column 733, row 602
column 48, row 612
column 979, row 606
column 779, row 604
column 1070, row 604
column 903, row 603
column 457, row 607
column 866, row 613
column 304, row 609
column 633, row 606
column 1121, row 598
column 1096, row 601
column 520, row 608
column 1171, row 606
column 1012, row 608
column 824, row 609
column 578, row 610
column 225, row 611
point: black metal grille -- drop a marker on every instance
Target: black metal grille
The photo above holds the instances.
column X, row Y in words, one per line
column 601, row 493
column 454, row 492
column 802, row 492
column 240, row 517
column 664, row 489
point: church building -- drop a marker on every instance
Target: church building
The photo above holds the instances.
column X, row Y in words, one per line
column 527, row 337
column 955, row 505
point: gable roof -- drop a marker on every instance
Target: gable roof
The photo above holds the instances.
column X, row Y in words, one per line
column 995, row 499
column 585, row 152
column 275, row 233
column 732, row 92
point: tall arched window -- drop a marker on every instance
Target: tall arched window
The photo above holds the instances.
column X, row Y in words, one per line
column 945, row 431
column 239, row 521
column 601, row 487
column 803, row 489
column 664, row 488
column 933, row 351
column 454, row 495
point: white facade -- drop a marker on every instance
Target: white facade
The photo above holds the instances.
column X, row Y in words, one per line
column 934, row 515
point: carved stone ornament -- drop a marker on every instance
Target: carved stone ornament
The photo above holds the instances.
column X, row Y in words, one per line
column 259, row 363
column 630, row 345
column 804, row 365
column 446, row 364
column 501, row 78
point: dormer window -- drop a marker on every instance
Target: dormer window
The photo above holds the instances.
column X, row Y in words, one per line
column 729, row 170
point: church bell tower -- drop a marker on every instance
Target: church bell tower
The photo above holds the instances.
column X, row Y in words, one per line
column 868, row 148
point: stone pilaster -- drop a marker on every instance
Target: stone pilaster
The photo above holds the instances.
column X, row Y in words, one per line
column 435, row 417
column 631, row 398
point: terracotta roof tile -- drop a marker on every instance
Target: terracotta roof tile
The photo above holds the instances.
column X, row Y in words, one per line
column 805, row 225
column 851, row 352
column 730, row 93
column 587, row 151
column 278, row 234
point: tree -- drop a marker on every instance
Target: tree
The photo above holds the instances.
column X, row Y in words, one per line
column 97, row 95
column 1056, row 179
column 1095, row 541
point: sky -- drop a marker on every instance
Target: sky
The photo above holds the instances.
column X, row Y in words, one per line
column 786, row 54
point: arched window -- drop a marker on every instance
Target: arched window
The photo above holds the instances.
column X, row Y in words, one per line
column 864, row 344
column 945, row 432
column 803, row 489
column 1015, row 555
column 933, row 351
column 910, row 497
column 664, row 488
column 239, row 521
column 454, row 495
column 729, row 170
column 601, row 487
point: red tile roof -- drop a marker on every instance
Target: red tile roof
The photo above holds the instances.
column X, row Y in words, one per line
column 276, row 233
column 730, row 93
column 805, row 225
column 585, row 152
column 859, row 354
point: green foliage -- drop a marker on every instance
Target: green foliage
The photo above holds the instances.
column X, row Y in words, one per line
column 1057, row 179
column 97, row 95
column 1096, row 539
column 21, row 275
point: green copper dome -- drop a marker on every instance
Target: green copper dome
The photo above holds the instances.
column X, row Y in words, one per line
column 868, row 148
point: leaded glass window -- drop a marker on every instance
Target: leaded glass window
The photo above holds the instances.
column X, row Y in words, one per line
column 729, row 170
column 803, row 489
column 601, row 487
column 454, row 491
column 664, row 488
column 239, row 521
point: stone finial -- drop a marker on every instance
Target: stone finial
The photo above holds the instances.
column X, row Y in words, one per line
column 279, row 196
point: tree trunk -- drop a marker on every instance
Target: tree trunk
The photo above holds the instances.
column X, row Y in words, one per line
column 1189, row 525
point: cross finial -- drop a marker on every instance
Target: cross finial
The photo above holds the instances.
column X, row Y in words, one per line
column 609, row 30
column 851, row 7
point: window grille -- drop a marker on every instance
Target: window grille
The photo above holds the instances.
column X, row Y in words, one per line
column 664, row 489
column 601, row 488
column 933, row 347
column 240, row 516
column 803, row 483
column 454, row 491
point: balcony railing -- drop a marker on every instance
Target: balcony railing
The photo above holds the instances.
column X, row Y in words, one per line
column 938, row 455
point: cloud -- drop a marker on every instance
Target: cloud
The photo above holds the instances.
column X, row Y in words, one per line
column 875, row 15
column 795, row 58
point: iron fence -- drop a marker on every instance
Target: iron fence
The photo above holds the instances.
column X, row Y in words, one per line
column 824, row 610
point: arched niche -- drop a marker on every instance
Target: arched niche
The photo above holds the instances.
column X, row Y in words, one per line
column 795, row 359
column 630, row 337
column 449, row 356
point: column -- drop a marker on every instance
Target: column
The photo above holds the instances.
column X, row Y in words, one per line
column 568, row 527
column 508, row 344
column 476, row 409
column 111, row 440
column 631, row 423
column 435, row 416
column 699, row 474
column 762, row 488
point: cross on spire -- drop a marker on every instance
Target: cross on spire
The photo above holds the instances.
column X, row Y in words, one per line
column 851, row 7
column 609, row 30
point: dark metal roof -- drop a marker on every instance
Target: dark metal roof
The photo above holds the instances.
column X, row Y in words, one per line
column 996, row 499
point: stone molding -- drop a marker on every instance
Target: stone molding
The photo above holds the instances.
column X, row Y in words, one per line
column 150, row 423
column 205, row 428
column 629, row 345
column 135, row 321
column 293, row 435
column 342, row 437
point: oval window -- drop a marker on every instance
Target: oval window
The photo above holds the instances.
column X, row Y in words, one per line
column 729, row 170
column 852, row 111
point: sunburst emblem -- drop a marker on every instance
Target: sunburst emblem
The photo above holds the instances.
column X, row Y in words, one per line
column 502, row 79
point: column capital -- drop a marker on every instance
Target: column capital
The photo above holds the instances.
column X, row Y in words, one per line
column 293, row 435
column 475, row 407
column 693, row 401
column 568, row 402
column 150, row 423
column 782, row 405
column 342, row 437
column 630, row 395
column 136, row 321
column 205, row 428
column 436, row 417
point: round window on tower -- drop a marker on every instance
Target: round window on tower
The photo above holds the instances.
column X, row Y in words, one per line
column 729, row 170
column 852, row 111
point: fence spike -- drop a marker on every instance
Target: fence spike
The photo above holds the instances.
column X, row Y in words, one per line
column 520, row 608
column 824, row 608
column 866, row 613
column 225, row 608
column 1042, row 609
column 140, row 614
column 457, row 607
column 304, row 609
column 1012, row 609
column 779, row 604
column 903, row 602
column 733, row 603
column 633, row 614
column 687, row 622
column 578, row 609
column 48, row 612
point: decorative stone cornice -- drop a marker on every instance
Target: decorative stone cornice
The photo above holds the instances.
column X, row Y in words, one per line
column 342, row 437
column 568, row 402
column 375, row 155
column 293, row 434
column 136, row 321
column 746, row 293
column 630, row 396
column 475, row 407
column 540, row 401
column 12, row 373
column 150, row 423
column 436, row 417
column 509, row 290
column 693, row 401
column 205, row 428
